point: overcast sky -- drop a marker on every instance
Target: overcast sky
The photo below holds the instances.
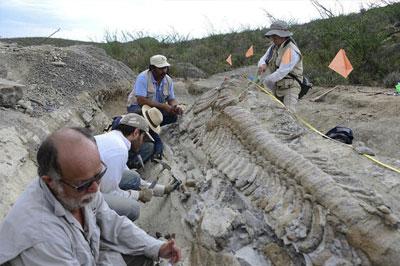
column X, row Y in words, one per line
column 89, row 20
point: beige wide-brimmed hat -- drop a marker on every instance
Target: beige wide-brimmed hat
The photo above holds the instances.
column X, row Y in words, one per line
column 159, row 61
column 153, row 117
column 279, row 28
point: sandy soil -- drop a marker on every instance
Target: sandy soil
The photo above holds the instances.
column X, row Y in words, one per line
column 372, row 113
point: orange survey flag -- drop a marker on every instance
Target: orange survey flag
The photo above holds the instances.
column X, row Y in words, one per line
column 250, row 52
column 229, row 59
column 287, row 56
column 341, row 64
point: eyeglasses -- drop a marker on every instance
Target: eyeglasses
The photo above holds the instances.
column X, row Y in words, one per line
column 85, row 185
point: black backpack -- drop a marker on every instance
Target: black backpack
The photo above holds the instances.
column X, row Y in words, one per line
column 114, row 123
column 342, row 134
column 305, row 85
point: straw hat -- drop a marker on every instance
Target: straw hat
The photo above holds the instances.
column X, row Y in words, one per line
column 153, row 117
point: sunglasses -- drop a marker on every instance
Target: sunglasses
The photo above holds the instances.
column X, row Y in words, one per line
column 88, row 183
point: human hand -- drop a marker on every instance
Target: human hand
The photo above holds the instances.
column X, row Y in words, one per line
column 170, row 251
column 261, row 69
column 145, row 195
column 177, row 110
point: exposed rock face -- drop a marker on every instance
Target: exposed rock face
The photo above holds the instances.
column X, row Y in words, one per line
column 270, row 192
column 47, row 96
column 188, row 70
column 53, row 76
column 10, row 93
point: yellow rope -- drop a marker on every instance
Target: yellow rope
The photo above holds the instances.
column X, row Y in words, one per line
column 381, row 164
column 317, row 131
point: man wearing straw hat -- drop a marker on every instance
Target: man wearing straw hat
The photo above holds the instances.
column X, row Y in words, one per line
column 282, row 64
column 154, row 88
column 121, row 187
column 154, row 119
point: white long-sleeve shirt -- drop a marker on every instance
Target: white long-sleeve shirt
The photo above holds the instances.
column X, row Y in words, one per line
column 113, row 148
column 282, row 71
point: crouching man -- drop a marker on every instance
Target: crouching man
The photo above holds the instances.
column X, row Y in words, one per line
column 154, row 88
column 62, row 219
column 121, row 187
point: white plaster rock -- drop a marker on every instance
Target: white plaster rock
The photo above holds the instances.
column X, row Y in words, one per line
column 216, row 223
column 16, row 169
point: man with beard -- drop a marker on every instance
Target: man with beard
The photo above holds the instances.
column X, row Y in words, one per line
column 154, row 87
column 62, row 219
column 122, row 187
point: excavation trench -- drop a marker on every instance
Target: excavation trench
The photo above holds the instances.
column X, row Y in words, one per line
column 214, row 224
column 268, row 190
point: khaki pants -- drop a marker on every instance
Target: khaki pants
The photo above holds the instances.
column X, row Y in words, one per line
column 290, row 97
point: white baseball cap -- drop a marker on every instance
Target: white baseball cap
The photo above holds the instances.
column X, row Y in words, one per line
column 159, row 61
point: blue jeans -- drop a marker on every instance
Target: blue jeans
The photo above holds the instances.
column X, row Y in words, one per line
column 146, row 150
column 130, row 180
column 124, row 206
column 167, row 119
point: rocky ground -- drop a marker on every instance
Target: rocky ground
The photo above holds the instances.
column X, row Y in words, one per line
column 270, row 191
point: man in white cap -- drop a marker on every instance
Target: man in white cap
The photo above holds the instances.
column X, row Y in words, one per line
column 113, row 148
column 155, row 88
column 282, row 63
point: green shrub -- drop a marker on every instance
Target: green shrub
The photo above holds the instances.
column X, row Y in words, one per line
column 364, row 37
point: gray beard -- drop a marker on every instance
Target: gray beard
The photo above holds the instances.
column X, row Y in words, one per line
column 72, row 203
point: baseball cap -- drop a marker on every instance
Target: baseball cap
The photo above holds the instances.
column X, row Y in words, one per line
column 136, row 121
column 159, row 61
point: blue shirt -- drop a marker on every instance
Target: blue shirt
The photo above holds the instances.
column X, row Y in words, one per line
column 140, row 88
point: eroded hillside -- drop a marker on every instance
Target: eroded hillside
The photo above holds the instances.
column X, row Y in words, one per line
column 269, row 191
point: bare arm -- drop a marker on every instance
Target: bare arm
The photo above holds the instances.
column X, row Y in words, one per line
column 173, row 102
column 161, row 106
column 176, row 109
